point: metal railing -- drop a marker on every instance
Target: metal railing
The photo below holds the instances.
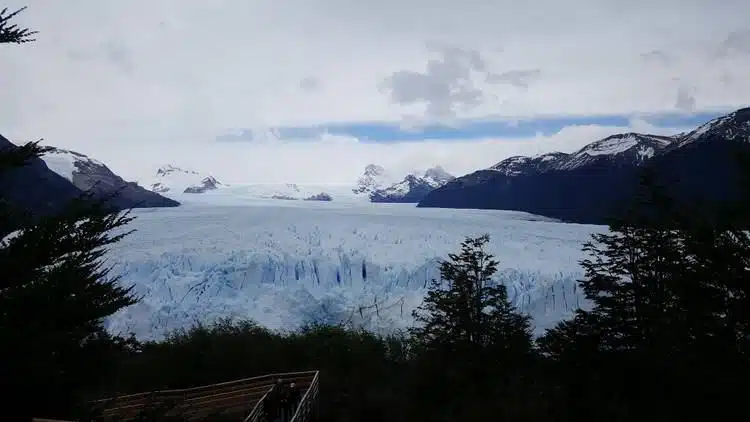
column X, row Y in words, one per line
column 197, row 400
column 307, row 406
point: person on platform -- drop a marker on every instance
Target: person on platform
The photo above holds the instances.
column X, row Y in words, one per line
column 293, row 399
column 272, row 402
column 284, row 402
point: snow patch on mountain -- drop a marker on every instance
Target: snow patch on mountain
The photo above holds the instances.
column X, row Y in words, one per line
column 66, row 163
column 733, row 126
column 611, row 146
column 94, row 177
column 517, row 165
column 626, row 148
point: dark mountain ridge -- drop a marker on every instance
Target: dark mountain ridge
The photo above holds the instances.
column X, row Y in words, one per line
column 596, row 182
column 36, row 188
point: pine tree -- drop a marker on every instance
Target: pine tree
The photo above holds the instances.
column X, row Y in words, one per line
column 466, row 308
column 669, row 293
column 12, row 34
column 54, row 292
column 469, row 337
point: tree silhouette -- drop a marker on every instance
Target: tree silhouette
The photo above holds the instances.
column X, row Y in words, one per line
column 469, row 339
column 12, row 33
column 667, row 335
column 54, row 291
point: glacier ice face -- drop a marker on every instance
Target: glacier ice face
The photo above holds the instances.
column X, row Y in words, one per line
column 292, row 262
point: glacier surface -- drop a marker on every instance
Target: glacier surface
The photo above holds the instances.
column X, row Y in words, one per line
column 287, row 263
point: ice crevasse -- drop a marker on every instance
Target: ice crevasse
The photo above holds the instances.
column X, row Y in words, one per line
column 368, row 266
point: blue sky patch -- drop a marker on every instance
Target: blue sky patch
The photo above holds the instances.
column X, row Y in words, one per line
column 473, row 129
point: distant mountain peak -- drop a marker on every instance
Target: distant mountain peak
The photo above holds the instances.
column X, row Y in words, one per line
column 174, row 179
column 206, row 184
column 170, row 169
column 413, row 187
column 438, row 174
column 374, row 170
column 374, row 177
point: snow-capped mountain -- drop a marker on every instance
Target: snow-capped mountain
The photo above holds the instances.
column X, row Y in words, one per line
column 517, row 165
column 732, row 127
column 374, row 177
column 413, row 187
column 599, row 180
column 34, row 187
column 93, row 176
column 207, row 183
column 172, row 179
column 437, row 176
column 621, row 149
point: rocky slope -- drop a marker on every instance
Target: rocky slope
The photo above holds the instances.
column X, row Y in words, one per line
column 34, row 187
column 90, row 175
column 45, row 185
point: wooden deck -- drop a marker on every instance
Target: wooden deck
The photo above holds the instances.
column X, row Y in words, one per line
column 240, row 400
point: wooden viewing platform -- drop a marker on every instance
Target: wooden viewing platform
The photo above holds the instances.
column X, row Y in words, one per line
column 239, row 400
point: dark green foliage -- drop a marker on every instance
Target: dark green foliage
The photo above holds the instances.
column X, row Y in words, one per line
column 470, row 342
column 16, row 157
column 471, row 311
column 668, row 333
column 54, row 293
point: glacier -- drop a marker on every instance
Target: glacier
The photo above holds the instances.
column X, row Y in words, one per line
column 287, row 263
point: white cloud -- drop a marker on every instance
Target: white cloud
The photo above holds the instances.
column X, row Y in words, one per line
column 163, row 78
column 332, row 159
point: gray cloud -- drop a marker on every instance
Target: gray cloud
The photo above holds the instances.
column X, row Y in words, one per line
column 110, row 51
column 206, row 66
column 444, row 87
column 735, row 42
column 658, row 56
column 519, row 78
column 685, row 100
column 310, row 83
column 261, row 135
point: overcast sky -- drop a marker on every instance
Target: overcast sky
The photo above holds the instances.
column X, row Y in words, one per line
column 140, row 83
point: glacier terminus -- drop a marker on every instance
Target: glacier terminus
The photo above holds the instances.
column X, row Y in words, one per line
column 284, row 264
